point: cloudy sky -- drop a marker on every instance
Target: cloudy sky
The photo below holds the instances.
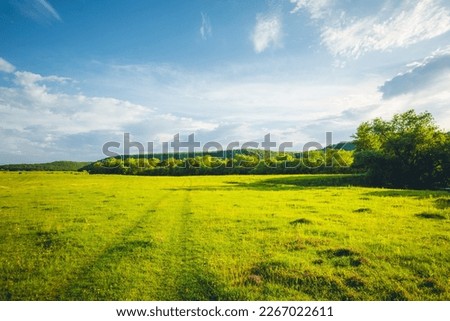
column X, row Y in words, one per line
column 76, row 74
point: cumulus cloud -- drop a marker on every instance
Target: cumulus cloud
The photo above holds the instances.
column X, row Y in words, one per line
column 267, row 32
column 391, row 27
column 6, row 66
column 431, row 71
column 41, row 120
column 205, row 28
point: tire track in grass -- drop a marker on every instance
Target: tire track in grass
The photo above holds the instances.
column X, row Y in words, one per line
column 173, row 246
column 85, row 283
column 195, row 283
column 185, row 275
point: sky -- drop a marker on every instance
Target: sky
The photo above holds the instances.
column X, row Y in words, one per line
column 77, row 74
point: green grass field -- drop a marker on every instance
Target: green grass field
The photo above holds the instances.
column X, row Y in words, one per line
column 73, row 236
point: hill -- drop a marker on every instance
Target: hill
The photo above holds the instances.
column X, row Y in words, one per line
column 53, row 166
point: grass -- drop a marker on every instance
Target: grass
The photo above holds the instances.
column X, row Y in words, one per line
column 72, row 236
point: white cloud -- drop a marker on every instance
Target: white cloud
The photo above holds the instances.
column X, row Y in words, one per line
column 267, row 32
column 6, row 66
column 421, row 75
column 38, row 10
column 41, row 120
column 408, row 23
column 318, row 9
column 256, row 97
column 205, row 28
column 252, row 106
column 33, row 85
column 32, row 105
column 48, row 7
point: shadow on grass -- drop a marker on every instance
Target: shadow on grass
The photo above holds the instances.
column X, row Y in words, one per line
column 291, row 182
column 322, row 286
column 442, row 203
column 200, row 188
column 99, row 279
column 319, row 287
column 303, row 181
column 433, row 216
column 202, row 285
column 85, row 283
column 418, row 194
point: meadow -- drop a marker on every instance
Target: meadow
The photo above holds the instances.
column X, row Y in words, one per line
column 74, row 236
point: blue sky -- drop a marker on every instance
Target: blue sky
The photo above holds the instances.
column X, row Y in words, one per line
column 76, row 74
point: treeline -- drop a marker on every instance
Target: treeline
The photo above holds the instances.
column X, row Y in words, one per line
column 228, row 162
column 53, row 166
column 408, row 151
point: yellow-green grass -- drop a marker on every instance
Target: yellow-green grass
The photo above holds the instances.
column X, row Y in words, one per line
column 73, row 236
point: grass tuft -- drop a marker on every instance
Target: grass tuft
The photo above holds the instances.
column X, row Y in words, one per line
column 433, row 216
column 340, row 253
column 300, row 221
column 354, row 282
column 442, row 203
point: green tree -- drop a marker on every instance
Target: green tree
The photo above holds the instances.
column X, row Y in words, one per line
column 407, row 151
